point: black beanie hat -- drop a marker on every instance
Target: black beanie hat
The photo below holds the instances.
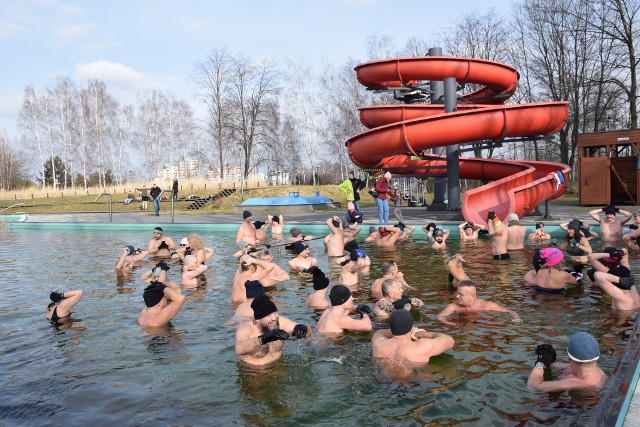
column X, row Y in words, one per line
column 339, row 295
column 262, row 307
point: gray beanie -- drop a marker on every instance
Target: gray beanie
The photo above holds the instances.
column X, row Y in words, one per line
column 583, row 347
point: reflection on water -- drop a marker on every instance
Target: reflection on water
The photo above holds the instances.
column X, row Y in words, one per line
column 100, row 368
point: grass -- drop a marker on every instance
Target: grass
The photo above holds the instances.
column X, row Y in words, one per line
column 79, row 200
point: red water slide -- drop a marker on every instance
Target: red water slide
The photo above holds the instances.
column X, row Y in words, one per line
column 400, row 132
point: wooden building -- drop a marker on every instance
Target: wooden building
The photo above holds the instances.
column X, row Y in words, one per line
column 609, row 167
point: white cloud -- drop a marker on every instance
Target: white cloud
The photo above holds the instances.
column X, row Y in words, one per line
column 73, row 32
column 10, row 29
column 123, row 81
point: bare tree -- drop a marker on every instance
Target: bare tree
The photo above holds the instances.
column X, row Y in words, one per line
column 12, row 165
column 254, row 86
column 30, row 120
column 66, row 109
column 102, row 118
column 151, row 127
column 212, row 77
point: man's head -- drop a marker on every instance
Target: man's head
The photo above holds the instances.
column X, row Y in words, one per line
column 153, row 295
column 247, row 216
column 392, row 289
column 157, row 233
column 389, row 266
column 130, row 250
column 351, row 175
column 466, row 295
column 275, row 218
column 340, row 295
column 468, row 229
column 635, row 215
column 513, row 219
column 154, row 186
column 540, row 226
column 438, row 235
column 301, row 249
column 609, row 213
column 265, row 312
column 295, row 232
column 372, row 230
column 400, row 322
column 184, row 242
column 266, row 255
column 583, row 348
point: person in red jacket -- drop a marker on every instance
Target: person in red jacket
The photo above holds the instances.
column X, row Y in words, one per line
column 382, row 187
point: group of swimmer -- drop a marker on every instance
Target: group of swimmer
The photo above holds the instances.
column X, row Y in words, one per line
column 260, row 336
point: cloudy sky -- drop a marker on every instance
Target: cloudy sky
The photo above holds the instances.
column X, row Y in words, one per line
column 134, row 45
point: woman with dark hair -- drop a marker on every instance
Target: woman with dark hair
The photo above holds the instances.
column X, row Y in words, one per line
column 576, row 244
column 61, row 304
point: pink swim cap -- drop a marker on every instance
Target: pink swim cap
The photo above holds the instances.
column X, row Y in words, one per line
column 551, row 256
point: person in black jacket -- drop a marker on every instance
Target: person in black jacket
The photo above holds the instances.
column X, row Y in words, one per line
column 357, row 185
column 175, row 188
column 155, row 195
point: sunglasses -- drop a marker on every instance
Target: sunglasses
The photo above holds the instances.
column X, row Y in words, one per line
column 181, row 244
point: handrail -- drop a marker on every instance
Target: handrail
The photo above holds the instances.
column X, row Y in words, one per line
column 15, row 213
column 110, row 204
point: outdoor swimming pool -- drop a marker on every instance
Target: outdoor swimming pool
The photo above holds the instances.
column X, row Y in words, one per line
column 105, row 370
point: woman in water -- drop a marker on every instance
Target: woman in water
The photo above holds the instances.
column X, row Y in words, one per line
column 61, row 305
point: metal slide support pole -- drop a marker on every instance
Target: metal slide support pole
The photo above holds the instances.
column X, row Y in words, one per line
column 437, row 92
column 453, row 166
column 172, row 208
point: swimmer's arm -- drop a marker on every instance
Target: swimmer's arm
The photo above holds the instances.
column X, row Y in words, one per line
column 461, row 229
column 448, row 311
column 330, row 224
column 433, row 343
column 151, row 249
column 569, row 279
column 381, row 334
column 240, row 233
column 355, row 230
column 364, row 324
column 411, row 230
column 147, row 276
column 172, row 285
column 278, row 274
column 492, row 306
column 263, row 271
column 120, row 262
column 69, row 299
column 594, row 214
column 176, row 301
column 445, row 234
column 627, row 216
column 287, row 325
column 585, row 246
column 245, row 344
column 208, row 253
column 416, row 302
column 386, row 306
column 140, row 256
column 169, row 241
column 537, row 382
column 565, row 226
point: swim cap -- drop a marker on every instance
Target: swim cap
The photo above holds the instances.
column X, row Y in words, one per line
column 295, row 231
column 357, row 253
column 400, row 322
column 258, row 224
column 372, row 229
column 551, row 256
column 513, row 217
column 583, row 348
column 152, row 296
column 246, row 214
column 262, row 307
column 300, row 247
column 320, row 280
column 351, row 245
column 131, row 249
column 254, row 288
column 339, row 294
column 184, row 241
column 438, row 232
column 539, row 225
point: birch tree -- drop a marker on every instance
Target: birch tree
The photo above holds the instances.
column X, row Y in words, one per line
column 30, row 121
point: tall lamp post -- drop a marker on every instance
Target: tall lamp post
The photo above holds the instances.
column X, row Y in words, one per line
column 244, row 160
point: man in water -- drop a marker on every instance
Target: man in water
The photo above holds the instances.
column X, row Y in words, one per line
column 500, row 235
column 582, row 371
column 613, row 276
column 246, row 232
column 610, row 226
column 516, row 233
column 162, row 304
column 456, row 269
column 277, row 274
column 539, row 235
column 336, row 318
column 439, row 238
column 259, row 341
column 389, row 271
column 130, row 256
column 351, row 267
column 159, row 245
column 403, row 344
column 387, row 236
column 303, row 260
column 468, row 302
column 335, row 240
column 318, row 299
column 393, row 299
column 191, row 270
column 469, row 231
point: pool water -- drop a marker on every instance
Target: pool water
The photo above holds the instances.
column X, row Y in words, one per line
column 102, row 369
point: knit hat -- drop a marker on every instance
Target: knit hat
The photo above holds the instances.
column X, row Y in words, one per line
column 131, row 249
column 351, row 245
column 583, row 348
column 400, row 322
column 551, row 256
column 262, row 307
column 513, row 217
column 295, row 231
column 258, row 224
column 184, row 241
column 254, row 288
column 320, row 280
column 299, row 247
column 539, row 225
column 246, row 214
column 339, row 294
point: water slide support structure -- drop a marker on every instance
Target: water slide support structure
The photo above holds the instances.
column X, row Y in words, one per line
column 437, row 94
column 453, row 158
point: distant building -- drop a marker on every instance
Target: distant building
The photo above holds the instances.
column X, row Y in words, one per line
column 186, row 168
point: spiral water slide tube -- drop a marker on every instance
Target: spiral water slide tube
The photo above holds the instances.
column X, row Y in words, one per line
column 399, row 133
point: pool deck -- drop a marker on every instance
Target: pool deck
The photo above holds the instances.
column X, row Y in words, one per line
column 560, row 212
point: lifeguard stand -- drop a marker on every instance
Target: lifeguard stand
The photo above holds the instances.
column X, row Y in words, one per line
column 609, row 167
